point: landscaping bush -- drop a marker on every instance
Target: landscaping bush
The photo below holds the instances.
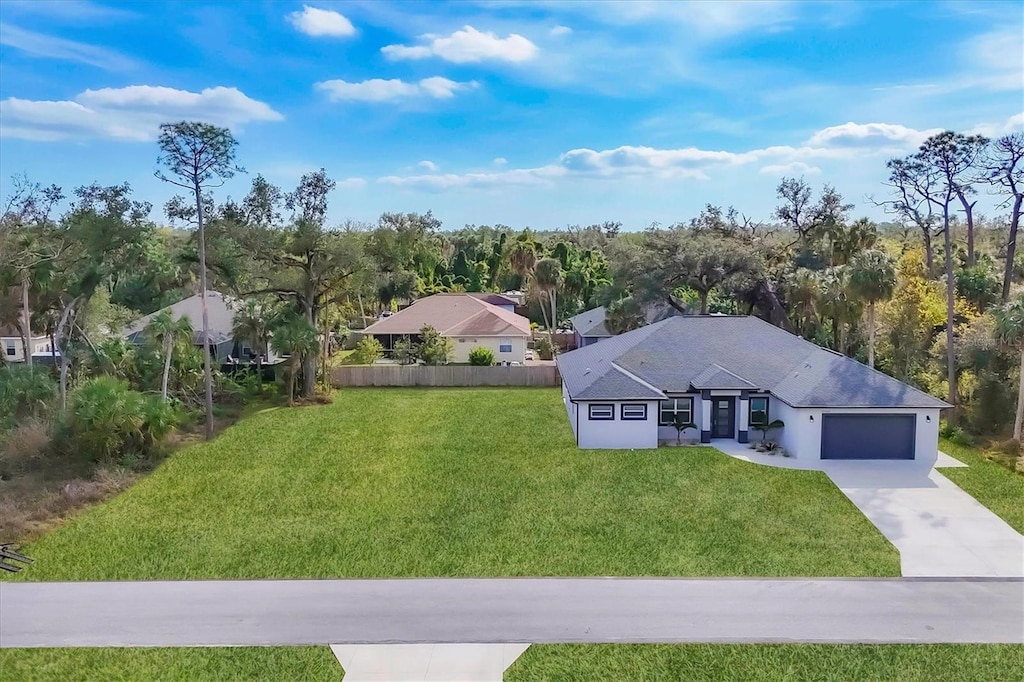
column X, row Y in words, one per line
column 367, row 351
column 405, row 352
column 435, row 349
column 24, row 392
column 545, row 351
column 107, row 420
column 481, row 357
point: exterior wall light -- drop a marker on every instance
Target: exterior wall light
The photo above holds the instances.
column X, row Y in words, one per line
column 812, row 417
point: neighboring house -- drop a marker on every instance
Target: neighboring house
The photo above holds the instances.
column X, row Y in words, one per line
column 467, row 320
column 497, row 299
column 727, row 374
column 13, row 348
column 589, row 327
column 221, row 318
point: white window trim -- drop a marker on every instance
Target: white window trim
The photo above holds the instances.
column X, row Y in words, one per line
column 601, row 406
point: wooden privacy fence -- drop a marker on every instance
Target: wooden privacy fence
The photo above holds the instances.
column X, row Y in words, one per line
column 445, row 375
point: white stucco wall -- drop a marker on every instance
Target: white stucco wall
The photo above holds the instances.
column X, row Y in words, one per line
column 616, row 432
column 570, row 409
column 802, row 437
column 669, row 432
column 464, row 344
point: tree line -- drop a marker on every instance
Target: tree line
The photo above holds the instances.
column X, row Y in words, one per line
column 929, row 297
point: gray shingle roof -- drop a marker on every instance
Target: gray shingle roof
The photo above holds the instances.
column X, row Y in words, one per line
column 590, row 323
column 680, row 354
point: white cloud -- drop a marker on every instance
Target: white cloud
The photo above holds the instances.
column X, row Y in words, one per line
column 321, row 22
column 380, row 90
column 429, row 165
column 560, row 31
column 1011, row 125
column 133, row 113
column 467, row 45
column 351, row 183
column 500, row 161
column 435, row 183
column 51, row 47
column 791, row 168
column 885, row 135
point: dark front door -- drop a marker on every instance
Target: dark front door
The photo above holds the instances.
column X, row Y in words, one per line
column 723, row 417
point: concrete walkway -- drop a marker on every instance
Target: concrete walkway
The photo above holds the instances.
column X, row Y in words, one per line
column 293, row 612
column 939, row 530
column 427, row 662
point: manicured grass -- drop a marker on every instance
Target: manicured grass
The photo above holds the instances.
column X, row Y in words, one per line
column 272, row 664
column 990, row 483
column 456, row 482
column 549, row 663
column 768, row 663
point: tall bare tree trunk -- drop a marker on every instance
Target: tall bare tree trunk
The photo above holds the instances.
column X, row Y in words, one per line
column 950, row 314
column 871, row 334
column 26, row 318
column 1011, row 246
column 168, row 345
column 1019, row 419
column 207, row 369
column 703, row 295
column 554, row 314
column 929, row 257
column 969, row 213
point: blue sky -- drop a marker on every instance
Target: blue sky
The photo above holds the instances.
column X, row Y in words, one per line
column 536, row 114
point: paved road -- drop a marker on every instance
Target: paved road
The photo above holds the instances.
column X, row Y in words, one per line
column 289, row 612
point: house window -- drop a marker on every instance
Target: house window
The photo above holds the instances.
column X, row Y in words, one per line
column 11, row 348
column 633, row 412
column 602, row 412
column 505, row 346
column 681, row 408
column 758, row 411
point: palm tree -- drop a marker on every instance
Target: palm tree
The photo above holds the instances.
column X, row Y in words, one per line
column 836, row 304
column 803, row 289
column 252, row 325
column 547, row 277
column 872, row 279
column 522, row 258
column 165, row 330
column 1010, row 331
column 624, row 315
column 294, row 338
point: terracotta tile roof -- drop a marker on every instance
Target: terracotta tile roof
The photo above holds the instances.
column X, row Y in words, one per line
column 453, row 315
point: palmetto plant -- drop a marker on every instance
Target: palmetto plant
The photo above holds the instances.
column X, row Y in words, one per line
column 765, row 427
column 294, row 338
column 872, row 280
column 166, row 331
column 681, row 424
column 1009, row 330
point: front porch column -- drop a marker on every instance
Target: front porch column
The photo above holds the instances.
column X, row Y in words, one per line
column 744, row 420
column 705, row 417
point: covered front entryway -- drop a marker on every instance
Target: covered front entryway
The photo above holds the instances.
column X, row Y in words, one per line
column 723, row 417
column 868, row 436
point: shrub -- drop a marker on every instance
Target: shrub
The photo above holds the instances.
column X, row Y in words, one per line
column 482, row 357
column 106, row 420
column 24, row 392
column 545, row 351
column 405, row 352
column 435, row 349
column 367, row 351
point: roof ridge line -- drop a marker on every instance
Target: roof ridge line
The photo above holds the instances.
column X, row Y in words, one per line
column 635, row 378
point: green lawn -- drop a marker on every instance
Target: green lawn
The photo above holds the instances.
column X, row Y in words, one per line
column 272, row 664
column 456, row 482
column 549, row 663
column 990, row 483
column 768, row 663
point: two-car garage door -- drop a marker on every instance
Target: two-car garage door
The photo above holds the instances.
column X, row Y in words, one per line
column 868, row 436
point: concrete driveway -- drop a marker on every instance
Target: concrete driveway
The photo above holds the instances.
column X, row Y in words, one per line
column 938, row 528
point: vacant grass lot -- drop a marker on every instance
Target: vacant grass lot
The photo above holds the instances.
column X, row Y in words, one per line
column 456, row 482
column 990, row 483
column 768, row 663
column 549, row 663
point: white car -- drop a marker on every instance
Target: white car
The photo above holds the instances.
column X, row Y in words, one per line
column 528, row 355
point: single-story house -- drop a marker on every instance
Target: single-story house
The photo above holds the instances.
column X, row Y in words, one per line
column 729, row 374
column 220, row 315
column 12, row 344
column 589, row 326
column 467, row 320
column 496, row 299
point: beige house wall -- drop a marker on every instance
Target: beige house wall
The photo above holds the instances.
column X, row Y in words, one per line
column 464, row 344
